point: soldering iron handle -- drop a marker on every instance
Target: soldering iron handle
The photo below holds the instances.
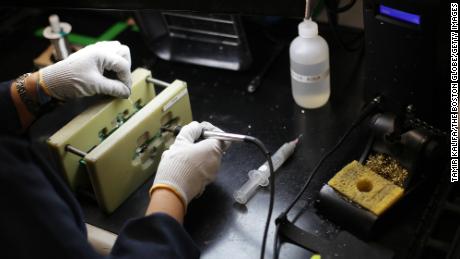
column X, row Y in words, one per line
column 211, row 134
column 223, row 136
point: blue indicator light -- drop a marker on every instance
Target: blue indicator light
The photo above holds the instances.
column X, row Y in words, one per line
column 400, row 15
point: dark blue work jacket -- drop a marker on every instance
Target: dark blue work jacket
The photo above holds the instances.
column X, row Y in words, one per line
column 40, row 218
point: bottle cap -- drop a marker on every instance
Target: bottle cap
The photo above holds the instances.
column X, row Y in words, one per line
column 308, row 28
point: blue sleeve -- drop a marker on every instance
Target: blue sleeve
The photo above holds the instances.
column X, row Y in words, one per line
column 9, row 119
column 40, row 217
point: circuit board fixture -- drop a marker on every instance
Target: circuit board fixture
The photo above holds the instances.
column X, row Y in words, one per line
column 122, row 140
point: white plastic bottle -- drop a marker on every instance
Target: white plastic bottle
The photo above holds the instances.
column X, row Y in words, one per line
column 309, row 57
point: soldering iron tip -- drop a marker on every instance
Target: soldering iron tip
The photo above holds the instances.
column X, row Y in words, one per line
column 297, row 139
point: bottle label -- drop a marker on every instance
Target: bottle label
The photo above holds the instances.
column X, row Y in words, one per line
column 309, row 73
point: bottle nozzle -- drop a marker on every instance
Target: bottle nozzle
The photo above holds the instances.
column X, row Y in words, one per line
column 55, row 23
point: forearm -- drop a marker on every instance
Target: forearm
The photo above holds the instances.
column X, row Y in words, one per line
column 165, row 201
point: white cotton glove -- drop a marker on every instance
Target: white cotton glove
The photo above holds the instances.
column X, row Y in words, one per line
column 81, row 74
column 187, row 167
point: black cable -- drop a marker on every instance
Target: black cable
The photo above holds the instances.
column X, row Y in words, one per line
column 333, row 6
column 331, row 11
column 367, row 149
column 271, row 178
column 257, row 80
column 276, row 244
column 343, row 44
column 367, row 110
column 237, row 137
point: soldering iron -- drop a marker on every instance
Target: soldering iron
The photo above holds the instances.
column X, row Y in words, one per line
column 242, row 138
column 214, row 134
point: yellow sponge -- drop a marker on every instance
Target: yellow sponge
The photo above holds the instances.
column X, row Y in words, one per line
column 366, row 188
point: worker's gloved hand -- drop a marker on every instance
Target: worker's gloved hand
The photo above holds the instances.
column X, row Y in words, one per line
column 187, row 167
column 82, row 73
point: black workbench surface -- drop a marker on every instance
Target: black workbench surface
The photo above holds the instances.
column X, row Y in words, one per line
column 221, row 228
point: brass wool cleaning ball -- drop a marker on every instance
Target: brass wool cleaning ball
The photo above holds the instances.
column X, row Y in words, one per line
column 388, row 168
